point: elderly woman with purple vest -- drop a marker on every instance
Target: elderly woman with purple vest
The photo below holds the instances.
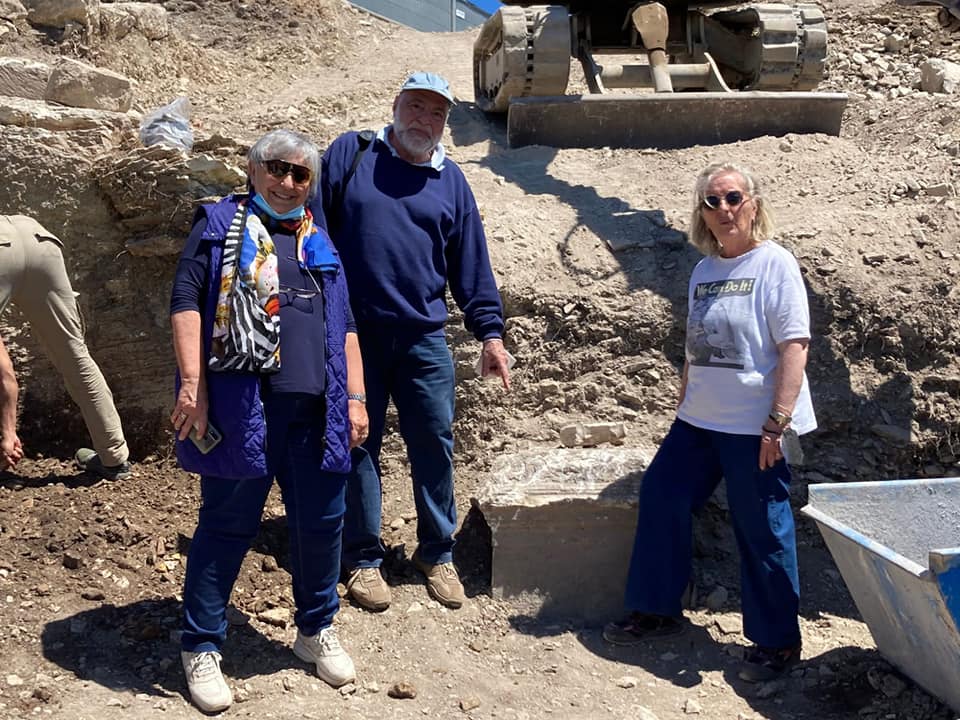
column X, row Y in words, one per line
column 270, row 386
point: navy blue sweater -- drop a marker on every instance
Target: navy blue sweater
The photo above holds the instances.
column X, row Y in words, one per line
column 404, row 232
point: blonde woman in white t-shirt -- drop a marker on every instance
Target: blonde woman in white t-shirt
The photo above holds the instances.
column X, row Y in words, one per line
column 743, row 385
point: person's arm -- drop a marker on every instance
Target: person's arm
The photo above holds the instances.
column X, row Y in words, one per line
column 191, row 407
column 683, row 383
column 10, row 446
column 788, row 381
column 188, row 296
column 356, row 408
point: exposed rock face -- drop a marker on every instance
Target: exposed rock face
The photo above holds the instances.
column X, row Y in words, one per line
column 12, row 10
column 59, row 13
column 80, row 85
column 117, row 20
column 23, row 78
column 123, row 213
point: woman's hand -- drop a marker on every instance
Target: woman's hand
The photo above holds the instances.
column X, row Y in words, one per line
column 190, row 410
column 359, row 424
column 771, row 451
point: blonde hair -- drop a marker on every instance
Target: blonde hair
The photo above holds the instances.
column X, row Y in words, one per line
column 700, row 235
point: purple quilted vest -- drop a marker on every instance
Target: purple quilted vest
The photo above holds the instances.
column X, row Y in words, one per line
column 235, row 407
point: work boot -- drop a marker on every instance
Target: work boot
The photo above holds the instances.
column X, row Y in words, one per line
column 88, row 460
column 208, row 689
column 333, row 664
column 368, row 589
column 761, row 664
column 443, row 583
column 640, row 627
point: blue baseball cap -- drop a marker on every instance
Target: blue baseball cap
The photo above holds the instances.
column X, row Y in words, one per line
column 429, row 81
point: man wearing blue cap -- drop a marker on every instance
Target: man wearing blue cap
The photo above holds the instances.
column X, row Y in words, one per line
column 407, row 226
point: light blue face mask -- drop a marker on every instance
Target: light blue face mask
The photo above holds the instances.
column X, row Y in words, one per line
column 258, row 200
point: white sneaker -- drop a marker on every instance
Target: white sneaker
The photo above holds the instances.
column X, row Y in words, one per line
column 334, row 666
column 208, row 690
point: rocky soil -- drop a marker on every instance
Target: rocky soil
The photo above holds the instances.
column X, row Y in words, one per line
column 90, row 572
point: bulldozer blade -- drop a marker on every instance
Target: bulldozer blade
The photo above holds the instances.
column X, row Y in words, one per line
column 669, row 120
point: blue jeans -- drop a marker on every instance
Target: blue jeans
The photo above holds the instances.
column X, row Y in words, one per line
column 417, row 372
column 684, row 473
column 230, row 517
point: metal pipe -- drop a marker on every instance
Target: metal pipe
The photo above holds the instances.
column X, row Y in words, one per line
column 682, row 77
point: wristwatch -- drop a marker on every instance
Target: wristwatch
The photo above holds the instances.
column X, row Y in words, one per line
column 781, row 419
column 359, row 397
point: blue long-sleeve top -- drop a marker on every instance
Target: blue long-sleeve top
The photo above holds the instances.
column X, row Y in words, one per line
column 302, row 341
column 404, row 232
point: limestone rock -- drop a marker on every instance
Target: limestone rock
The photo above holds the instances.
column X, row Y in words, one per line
column 60, row 13
column 77, row 84
column 117, row 20
column 559, row 514
column 23, row 78
column 591, row 434
column 940, row 76
column 12, row 10
column 34, row 114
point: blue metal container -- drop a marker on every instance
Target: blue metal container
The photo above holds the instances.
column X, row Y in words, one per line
column 897, row 545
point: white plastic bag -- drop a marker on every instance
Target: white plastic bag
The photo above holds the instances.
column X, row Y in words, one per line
column 168, row 125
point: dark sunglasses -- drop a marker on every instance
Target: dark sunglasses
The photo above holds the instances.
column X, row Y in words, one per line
column 281, row 168
column 732, row 198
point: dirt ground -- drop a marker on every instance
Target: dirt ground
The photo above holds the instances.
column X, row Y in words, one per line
column 90, row 573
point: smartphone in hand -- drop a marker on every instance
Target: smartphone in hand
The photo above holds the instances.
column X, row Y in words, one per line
column 211, row 438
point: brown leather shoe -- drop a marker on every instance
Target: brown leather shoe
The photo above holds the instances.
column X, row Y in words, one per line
column 368, row 589
column 443, row 582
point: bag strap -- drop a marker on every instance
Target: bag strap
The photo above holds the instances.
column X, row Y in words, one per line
column 364, row 140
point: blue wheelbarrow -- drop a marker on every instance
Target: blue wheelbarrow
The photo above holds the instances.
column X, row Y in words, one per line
column 897, row 546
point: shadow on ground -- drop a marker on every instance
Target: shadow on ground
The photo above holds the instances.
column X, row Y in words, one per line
column 136, row 648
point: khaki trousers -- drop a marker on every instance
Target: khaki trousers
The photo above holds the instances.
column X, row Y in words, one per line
column 33, row 276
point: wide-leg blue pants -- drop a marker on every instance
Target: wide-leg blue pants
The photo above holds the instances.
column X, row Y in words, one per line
column 684, row 473
column 417, row 372
column 230, row 518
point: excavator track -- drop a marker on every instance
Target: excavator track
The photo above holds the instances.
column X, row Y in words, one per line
column 792, row 45
column 521, row 52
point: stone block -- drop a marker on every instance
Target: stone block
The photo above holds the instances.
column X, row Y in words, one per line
column 60, row 13
column 12, row 10
column 592, row 434
column 119, row 19
column 562, row 523
column 77, row 84
column 940, row 76
column 23, row 78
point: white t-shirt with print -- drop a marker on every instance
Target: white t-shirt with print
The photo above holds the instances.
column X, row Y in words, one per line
column 739, row 310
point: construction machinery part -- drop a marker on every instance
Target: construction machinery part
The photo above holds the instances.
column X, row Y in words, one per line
column 717, row 49
column 669, row 120
column 948, row 15
column 521, row 52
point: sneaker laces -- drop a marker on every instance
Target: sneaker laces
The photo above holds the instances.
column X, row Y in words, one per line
column 328, row 640
column 204, row 665
column 447, row 571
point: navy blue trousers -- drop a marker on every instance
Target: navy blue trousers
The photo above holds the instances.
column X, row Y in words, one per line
column 684, row 473
column 230, row 518
column 417, row 373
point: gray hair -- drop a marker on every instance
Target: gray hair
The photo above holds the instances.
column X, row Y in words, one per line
column 281, row 144
column 700, row 235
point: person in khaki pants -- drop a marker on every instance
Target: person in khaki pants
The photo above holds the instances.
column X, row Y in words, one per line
column 33, row 276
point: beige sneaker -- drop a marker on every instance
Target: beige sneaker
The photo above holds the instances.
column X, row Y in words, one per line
column 443, row 583
column 208, row 689
column 333, row 664
column 368, row 589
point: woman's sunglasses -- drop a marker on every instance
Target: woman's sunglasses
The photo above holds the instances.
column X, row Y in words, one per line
column 281, row 168
column 732, row 198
